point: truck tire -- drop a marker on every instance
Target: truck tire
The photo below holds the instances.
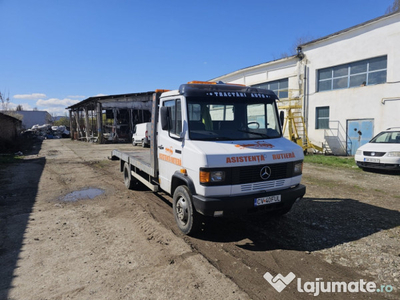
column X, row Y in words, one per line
column 186, row 216
column 143, row 144
column 129, row 180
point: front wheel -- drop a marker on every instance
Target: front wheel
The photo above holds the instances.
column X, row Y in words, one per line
column 186, row 216
column 129, row 180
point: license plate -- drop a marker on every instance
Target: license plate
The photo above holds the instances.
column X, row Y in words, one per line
column 374, row 160
column 267, row 200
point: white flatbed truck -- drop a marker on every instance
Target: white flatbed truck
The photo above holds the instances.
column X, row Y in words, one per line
column 218, row 149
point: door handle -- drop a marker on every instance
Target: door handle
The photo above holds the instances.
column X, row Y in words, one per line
column 161, row 147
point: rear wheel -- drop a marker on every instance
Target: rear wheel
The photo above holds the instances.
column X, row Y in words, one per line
column 129, row 180
column 186, row 216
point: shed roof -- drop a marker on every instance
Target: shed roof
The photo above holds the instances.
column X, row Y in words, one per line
column 90, row 102
column 11, row 118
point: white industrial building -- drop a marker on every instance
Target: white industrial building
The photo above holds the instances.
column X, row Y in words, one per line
column 344, row 87
column 34, row 117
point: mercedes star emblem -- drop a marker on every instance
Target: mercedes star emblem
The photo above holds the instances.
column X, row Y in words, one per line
column 265, row 172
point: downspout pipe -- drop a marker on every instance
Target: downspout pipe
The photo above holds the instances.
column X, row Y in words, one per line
column 301, row 56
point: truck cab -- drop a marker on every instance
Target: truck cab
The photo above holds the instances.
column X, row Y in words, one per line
column 221, row 152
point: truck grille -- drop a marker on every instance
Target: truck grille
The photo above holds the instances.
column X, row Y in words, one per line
column 262, row 185
column 242, row 175
column 250, row 176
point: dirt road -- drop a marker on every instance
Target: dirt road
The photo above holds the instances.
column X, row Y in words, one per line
column 124, row 244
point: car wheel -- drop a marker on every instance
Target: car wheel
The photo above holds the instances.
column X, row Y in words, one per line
column 186, row 216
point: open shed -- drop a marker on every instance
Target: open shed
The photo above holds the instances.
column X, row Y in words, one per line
column 106, row 119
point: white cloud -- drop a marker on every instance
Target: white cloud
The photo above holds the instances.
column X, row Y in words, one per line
column 56, row 111
column 30, row 96
column 25, row 106
column 55, row 106
column 56, row 102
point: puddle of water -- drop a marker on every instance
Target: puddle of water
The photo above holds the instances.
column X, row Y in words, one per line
column 88, row 193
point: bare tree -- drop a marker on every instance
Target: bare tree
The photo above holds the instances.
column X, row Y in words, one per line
column 393, row 8
column 5, row 101
column 19, row 108
column 298, row 41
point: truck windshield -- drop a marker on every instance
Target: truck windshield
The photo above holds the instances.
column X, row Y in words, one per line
column 232, row 119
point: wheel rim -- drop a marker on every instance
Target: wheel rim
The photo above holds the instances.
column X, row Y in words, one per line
column 182, row 210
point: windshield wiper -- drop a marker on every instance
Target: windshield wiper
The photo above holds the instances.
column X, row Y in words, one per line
column 257, row 133
column 217, row 138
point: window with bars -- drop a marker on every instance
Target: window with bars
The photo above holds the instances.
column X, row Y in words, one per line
column 365, row 72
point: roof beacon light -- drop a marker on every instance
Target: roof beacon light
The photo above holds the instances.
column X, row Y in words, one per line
column 211, row 82
column 201, row 82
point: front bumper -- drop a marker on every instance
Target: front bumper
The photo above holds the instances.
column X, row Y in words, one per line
column 380, row 166
column 238, row 205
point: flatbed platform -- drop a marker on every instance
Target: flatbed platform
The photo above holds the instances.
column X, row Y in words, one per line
column 139, row 158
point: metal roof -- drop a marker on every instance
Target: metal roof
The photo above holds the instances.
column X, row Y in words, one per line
column 91, row 101
column 351, row 28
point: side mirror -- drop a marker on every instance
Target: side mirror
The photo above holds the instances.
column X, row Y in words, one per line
column 282, row 117
column 164, row 114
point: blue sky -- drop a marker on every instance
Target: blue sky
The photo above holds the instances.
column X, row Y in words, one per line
column 54, row 53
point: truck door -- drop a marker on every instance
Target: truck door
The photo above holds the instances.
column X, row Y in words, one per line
column 170, row 144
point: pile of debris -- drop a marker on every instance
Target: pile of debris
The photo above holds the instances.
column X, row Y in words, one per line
column 47, row 131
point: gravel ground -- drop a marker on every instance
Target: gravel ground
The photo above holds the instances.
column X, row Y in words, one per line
column 124, row 244
column 366, row 219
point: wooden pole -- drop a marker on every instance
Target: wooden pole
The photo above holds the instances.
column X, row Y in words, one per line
column 71, row 125
column 87, row 123
column 99, row 119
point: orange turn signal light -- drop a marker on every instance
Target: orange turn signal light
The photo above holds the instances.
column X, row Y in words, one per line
column 204, row 177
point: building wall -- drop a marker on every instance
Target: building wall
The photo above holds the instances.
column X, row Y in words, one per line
column 275, row 70
column 380, row 102
column 9, row 127
column 34, row 117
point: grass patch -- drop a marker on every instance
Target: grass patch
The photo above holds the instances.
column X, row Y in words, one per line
column 331, row 161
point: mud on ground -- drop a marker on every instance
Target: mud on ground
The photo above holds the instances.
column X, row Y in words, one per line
column 124, row 244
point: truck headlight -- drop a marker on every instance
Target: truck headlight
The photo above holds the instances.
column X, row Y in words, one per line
column 393, row 154
column 298, row 168
column 212, row 176
column 359, row 152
